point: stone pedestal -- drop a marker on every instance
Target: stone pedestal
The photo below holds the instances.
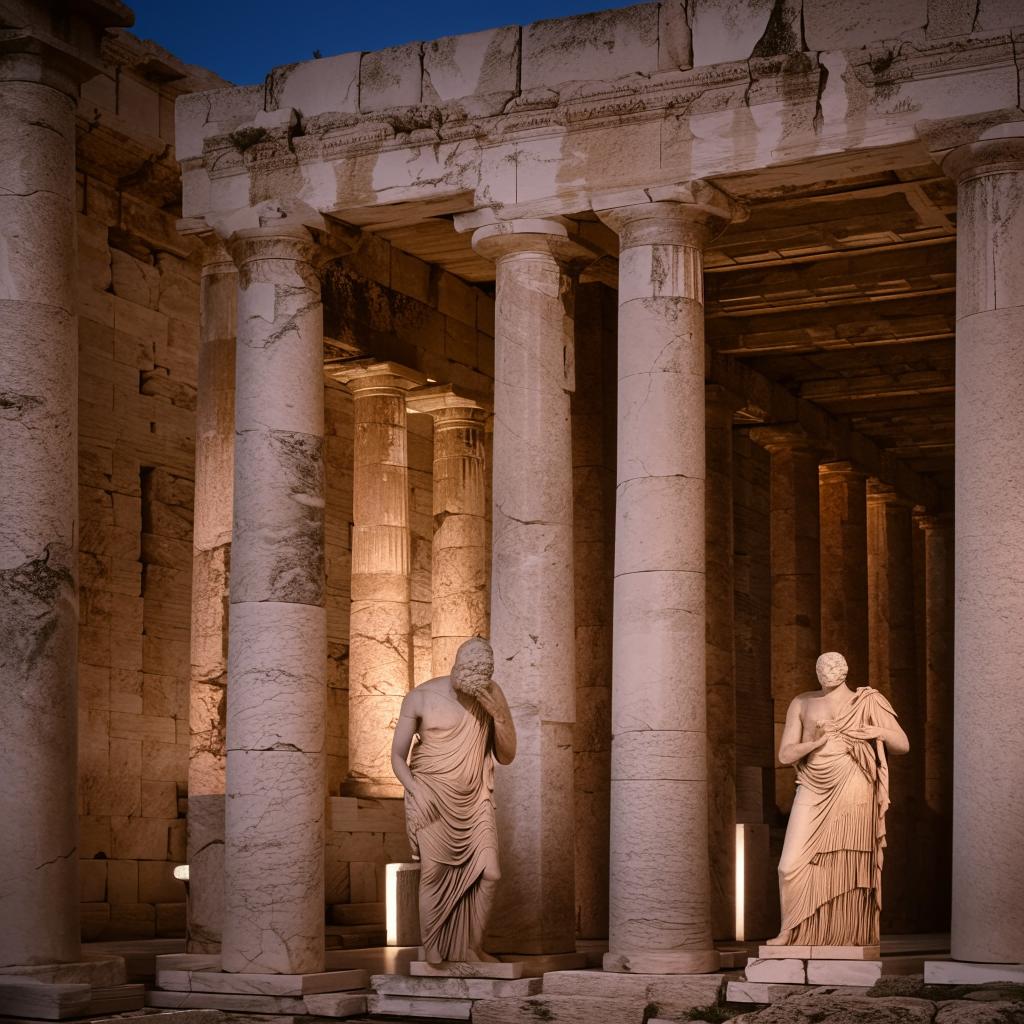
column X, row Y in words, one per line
column 275, row 784
column 38, row 507
column 796, row 580
column 532, row 619
column 894, row 672
column 380, row 630
column 459, row 552
column 211, row 559
column 844, row 566
column 988, row 868
column 659, row 911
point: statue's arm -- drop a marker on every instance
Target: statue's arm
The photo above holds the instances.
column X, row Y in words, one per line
column 791, row 749
column 401, row 742
column 495, row 704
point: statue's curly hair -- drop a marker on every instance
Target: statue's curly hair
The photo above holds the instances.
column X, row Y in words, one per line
column 474, row 665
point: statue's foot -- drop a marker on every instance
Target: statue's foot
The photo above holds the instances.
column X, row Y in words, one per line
column 478, row 956
column 779, row 940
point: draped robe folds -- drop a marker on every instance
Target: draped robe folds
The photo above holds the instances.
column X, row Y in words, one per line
column 831, row 869
column 454, row 772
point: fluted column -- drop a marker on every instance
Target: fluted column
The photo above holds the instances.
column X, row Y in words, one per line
column 211, row 558
column 660, row 904
column 796, row 578
column 844, row 566
column 380, row 626
column 988, row 865
column 38, row 511
column 458, row 588
column 275, row 782
column 532, row 620
column 893, row 668
column 721, row 664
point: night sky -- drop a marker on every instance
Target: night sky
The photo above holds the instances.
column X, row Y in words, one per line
column 243, row 39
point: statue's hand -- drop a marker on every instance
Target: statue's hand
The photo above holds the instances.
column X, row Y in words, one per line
column 416, row 808
column 488, row 700
column 869, row 732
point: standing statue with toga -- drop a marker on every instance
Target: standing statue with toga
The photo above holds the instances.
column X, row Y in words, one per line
column 830, row 874
column 460, row 723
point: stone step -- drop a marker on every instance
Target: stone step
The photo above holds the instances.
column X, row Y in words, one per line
column 224, row 1001
column 152, row 1016
column 117, row 999
column 460, row 969
column 671, row 991
column 297, row 985
column 414, row 1006
column 336, row 1004
column 46, row 1000
column 454, row 988
column 560, row 1010
column 358, row 913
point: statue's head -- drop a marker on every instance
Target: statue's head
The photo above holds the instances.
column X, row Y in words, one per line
column 474, row 666
column 832, row 670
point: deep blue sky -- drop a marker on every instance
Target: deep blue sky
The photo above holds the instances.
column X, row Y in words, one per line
column 243, row 39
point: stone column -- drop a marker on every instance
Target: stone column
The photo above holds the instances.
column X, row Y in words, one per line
column 380, row 630
column 211, row 558
column 893, row 670
column 274, row 821
column 660, row 903
column 988, row 866
column 938, row 704
column 844, row 566
column 532, row 617
column 459, row 555
column 721, row 664
column 796, row 580
column 38, row 508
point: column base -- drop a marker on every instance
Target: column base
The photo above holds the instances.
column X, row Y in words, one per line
column 687, row 961
column 372, row 789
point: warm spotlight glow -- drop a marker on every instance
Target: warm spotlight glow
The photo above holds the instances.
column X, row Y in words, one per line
column 391, row 902
column 181, row 872
column 740, row 886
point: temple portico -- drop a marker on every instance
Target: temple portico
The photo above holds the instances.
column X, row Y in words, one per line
column 627, row 342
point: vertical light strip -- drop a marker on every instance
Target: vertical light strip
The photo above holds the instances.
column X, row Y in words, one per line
column 740, row 886
column 391, row 903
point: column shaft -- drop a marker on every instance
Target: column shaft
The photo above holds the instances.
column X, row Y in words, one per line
column 721, row 666
column 38, row 514
column 532, row 617
column 211, row 558
column 380, row 631
column 660, row 912
column 844, row 566
column 274, row 822
column 988, row 867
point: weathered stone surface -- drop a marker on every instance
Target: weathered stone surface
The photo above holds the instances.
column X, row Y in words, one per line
column 674, row 992
column 455, row 988
column 828, row 1009
column 413, row 1006
column 788, row 971
column 327, row 85
column 476, row 64
column 559, row 1010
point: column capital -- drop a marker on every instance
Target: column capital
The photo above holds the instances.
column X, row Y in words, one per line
column 786, row 437
column 721, row 399
column 883, row 493
column 996, row 150
column 216, row 257
column 555, row 238
column 927, row 521
column 447, row 405
column 841, row 468
column 690, row 214
column 382, row 378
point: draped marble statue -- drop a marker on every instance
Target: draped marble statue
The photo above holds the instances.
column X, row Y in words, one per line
column 830, row 874
column 460, row 723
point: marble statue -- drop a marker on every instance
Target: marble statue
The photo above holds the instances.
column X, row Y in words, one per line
column 830, row 874
column 461, row 723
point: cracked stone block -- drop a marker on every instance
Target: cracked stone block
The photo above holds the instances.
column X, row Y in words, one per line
column 475, row 64
column 842, row 27
column 391, row 78
column 326, row 85
column 201, row 115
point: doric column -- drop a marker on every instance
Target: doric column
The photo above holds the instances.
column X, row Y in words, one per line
column 660, row 906
column 720, row 653
column 274, row 820
column 938, row 704
column 844, row 566
column 532, row 620
column 380, row 627
column 893, row 670
column 988, row 867
column 39, row 79
column 458, row 586
column 211, row 558
column 796, row 580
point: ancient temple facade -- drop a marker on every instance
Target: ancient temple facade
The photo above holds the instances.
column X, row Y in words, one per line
column 667, row 346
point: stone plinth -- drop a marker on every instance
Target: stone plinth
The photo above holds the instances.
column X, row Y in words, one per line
column 844, row 566
column 532, row 614
column 988, row 868
column 275, row 786
column 380, row 630
column 659, row 908
column 459, row 547
column 462, row 969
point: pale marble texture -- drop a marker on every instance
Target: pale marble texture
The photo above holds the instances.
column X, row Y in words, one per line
column 988, row 869
column 380, row 638
column 459, row 556
column 276, row 706
column 532, row 618
column 659, row 908
column 38, row 513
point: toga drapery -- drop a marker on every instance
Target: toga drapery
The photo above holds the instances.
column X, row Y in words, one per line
column 456, row 769
column 831, row 878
